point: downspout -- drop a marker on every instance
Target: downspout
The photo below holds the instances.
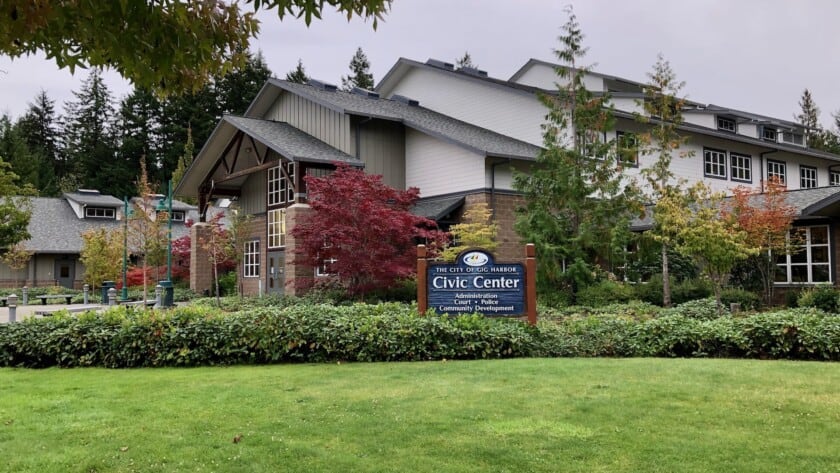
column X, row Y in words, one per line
column 761, row 166
column 359, row 137
column 493, row 186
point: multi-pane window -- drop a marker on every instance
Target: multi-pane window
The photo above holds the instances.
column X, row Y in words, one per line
column 99, row 212
column 280, row 189
column 726, row 124
column 714, row 163
column 776, row 169
column 251, row 260
column 834, row 178
column 807, row 177
column 178, row 215
column 627, row 148
column 768, row 134
column 793, row 138
column 741, row 167
column 809, row 260
column 277, row 228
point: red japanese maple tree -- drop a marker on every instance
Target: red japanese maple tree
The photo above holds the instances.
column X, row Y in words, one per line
column 361, row 232
column 766, row 217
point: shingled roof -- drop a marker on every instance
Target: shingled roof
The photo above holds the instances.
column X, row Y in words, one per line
column 289, row 141
column 474, row 138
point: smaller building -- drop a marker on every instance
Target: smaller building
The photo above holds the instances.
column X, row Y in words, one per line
column 56, row 227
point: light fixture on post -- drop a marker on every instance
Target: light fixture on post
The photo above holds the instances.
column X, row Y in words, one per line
column 168, row 289
column 126, row 215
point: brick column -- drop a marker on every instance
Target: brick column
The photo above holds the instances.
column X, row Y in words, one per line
column 297, row 275
column 201, row 271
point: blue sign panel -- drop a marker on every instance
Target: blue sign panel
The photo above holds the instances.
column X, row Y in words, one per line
column 475, row 283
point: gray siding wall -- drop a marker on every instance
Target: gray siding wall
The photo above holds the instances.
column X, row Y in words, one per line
column 327, row 125
column 383, row 151
column 252, row 200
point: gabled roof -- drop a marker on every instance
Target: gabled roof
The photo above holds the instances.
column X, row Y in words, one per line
column 752, row 117
column 436, row 208
column 290, row 142
column 55, row 228
column 532, row 62
column 476, row 139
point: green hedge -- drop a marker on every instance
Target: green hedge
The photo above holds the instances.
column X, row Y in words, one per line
column 200, row 335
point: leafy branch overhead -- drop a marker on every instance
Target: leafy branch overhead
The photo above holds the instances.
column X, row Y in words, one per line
column 167, row 45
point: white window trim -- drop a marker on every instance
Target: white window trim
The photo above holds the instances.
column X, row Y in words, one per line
column 734, row 128
column 834, row 178
column 807, row 247
column 781, row 172
column 740, row 164
column 100, row 212
column 807, row 177
column 251, row 259
column 710, row 165
column 276, row 228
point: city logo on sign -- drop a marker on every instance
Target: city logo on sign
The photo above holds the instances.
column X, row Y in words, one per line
column 475, row 259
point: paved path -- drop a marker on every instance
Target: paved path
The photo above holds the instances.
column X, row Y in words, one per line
column 24, row 311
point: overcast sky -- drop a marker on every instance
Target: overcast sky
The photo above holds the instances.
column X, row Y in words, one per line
column 752, row 55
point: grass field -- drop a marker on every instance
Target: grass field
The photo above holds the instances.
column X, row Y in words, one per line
column 585, row 415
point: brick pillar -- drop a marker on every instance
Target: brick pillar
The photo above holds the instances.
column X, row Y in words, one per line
column 297, row 275
column 201, row 271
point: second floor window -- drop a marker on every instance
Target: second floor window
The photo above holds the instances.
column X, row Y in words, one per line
column 807, row 177
column 627, row 148
column 726, row 124
column 714, row 163
column 99, row 212
column 778, row 170
column 277, row 228
column 741, row 167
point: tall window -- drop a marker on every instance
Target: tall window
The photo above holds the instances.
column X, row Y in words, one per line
column 714, row 163
column 834, row 178
column 807, row 177
column 275, row 176
column 778, row 170
column 251, row 260
column 741, row 167
column 810, row 259
column 280, row 189
column 627, row 148
column 277, row 228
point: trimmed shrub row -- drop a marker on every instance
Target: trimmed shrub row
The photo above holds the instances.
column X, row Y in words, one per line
column 194, row 336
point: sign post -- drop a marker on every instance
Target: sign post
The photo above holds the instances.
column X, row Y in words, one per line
column 477, row 283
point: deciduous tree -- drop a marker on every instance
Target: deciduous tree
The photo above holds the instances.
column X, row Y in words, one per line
column 475, row 231
column 146, row 232
column 17, row 257
column 15, row 207
column 101, row 253
column 766, row 218
column 165, row 45
column 708, row 233
column 363, row 228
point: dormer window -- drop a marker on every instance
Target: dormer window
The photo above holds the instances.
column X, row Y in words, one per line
column 99, row 212
column 726, row 124
column 768, row 134
column 177, row 216
column 793, row 138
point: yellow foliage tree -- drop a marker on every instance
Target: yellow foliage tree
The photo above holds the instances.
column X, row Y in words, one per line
column 476, row 231
column 102, row 253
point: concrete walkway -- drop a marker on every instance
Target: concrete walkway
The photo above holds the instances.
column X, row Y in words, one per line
column 25, row 311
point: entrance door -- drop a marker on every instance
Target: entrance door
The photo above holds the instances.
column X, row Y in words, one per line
column 276, row 273
column 65, row 271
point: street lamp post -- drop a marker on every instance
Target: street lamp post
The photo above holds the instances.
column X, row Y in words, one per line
column 166, row 205
column 124, row 294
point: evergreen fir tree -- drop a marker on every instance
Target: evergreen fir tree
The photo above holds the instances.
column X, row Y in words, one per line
column 88, row 135
column 574, row 197
column 809, row 116
column 139, row 133
column 465, row 61
column 360, row 75
column 184, row 163
column 24, row 163
column 298, row 75
column 663, row 114
column 39, row 128
column 238, row 87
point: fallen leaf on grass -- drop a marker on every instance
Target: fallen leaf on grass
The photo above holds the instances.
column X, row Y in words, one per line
column 237, row 439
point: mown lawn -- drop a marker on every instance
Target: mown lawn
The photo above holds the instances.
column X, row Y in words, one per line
column 544, row 415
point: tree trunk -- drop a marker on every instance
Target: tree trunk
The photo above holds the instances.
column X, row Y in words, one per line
column 666, row 278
